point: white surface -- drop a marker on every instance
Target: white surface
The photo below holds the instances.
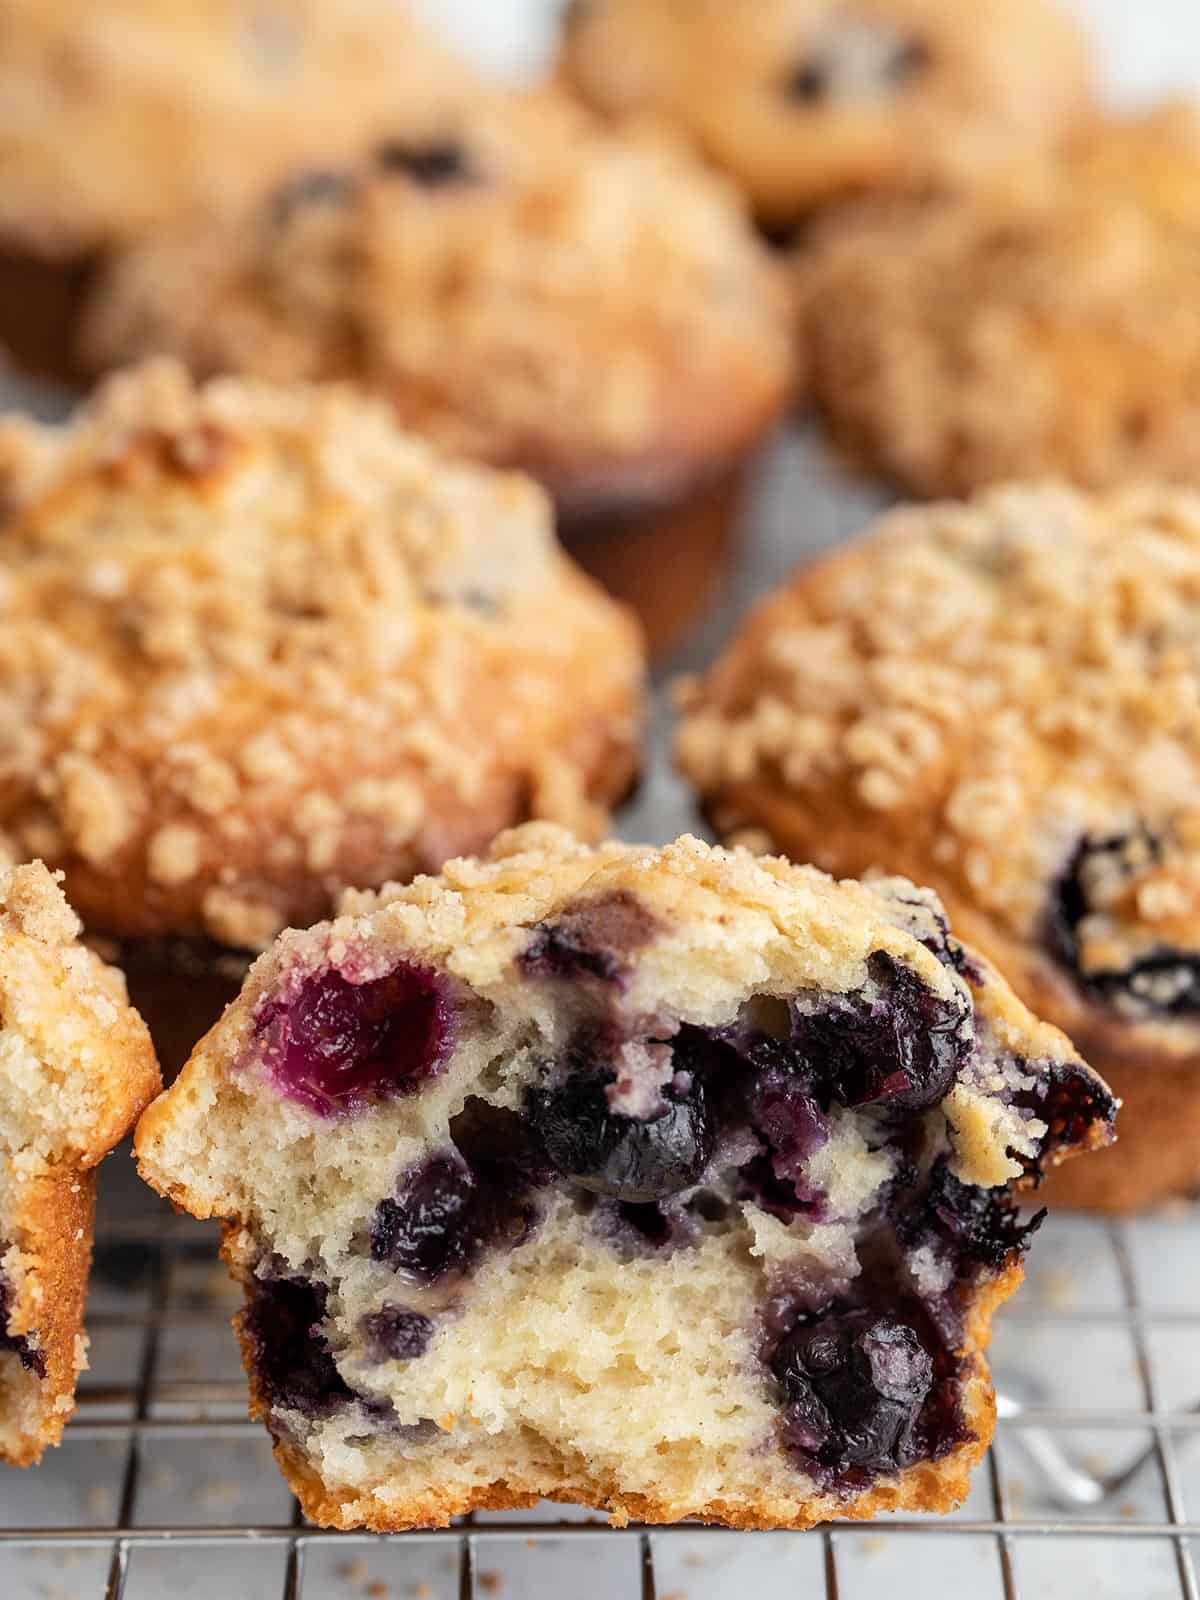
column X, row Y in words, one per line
column 1147, row 46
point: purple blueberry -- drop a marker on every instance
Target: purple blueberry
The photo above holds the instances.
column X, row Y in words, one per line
column 338, row 1045
column 853, row 1386
column 1070, row 1101
column 623, row 1157
column 899, row 1046
column 981, row 1228
column 394, row 1334
column 283, row 1324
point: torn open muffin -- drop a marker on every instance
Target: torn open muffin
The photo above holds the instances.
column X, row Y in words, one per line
column 76, row 1067
column 673, row 1182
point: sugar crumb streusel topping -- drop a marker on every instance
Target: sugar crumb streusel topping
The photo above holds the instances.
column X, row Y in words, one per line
column 990, row 683
column 558, row 295
column 242, row 629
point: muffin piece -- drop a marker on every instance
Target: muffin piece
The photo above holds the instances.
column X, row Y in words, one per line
column 1045, row 324
column 672, row 1182
column 258, row 644
column 526, row 289
column 118, row 115
column 1001, row 699
column 76, row 1068
column 807, row 101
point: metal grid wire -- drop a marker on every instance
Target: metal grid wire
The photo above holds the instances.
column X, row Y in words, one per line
column 151, row 1406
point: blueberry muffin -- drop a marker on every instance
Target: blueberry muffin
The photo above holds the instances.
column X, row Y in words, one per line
column 526, row 289
column 76, row 1068
column 1044, row 324
column 257, row 644
column 1002, row 699
column 115, row 114
column 805, row 102
column 672, row 1182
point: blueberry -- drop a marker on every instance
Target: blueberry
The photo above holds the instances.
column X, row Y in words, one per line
column 981, row 1227
column 789, row 1118
column 393, row 1334
column 434, row 164
column 461, row 1201
column 853, row 1385
column 592, row 939
column 899, row 1045
column 623, row 1157
column 1165, row 981
column 1070, row 1101
column 339, row 1045
column 283, row 1326
column 30, row 1356
column 809, row 82
column 430, row 1227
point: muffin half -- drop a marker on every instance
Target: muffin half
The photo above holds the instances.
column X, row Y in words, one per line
column 672, row 1182
column 76, row 1068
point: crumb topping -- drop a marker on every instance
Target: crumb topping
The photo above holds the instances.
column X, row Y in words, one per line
column 253, row 635
column 1042, row 324
column 526, row 287
column 989, row 683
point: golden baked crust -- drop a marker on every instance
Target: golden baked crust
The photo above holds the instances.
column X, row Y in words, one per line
column 998, row 698
column 114, row 117
column 258, row 644
column 76, row 1068
column 1042, row 324
column 525, row 287
column 554, row 1375
column 805, row 101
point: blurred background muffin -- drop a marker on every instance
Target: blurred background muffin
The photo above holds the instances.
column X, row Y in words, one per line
column 805, row 102
column 526, row 288
column 116, row 115
column 1043, row 323
column 256, row 644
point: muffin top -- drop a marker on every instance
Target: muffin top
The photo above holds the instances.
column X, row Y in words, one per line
column 114, row 116
column 806, row 101
column 524, row 286
column 1002, row 698
column 1045, row 323
column 256, row 644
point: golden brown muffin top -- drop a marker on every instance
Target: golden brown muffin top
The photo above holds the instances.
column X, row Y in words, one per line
column 526, row 287
column 1044, row 323
column 114, row 116
column 806, row 101
column 1007, row 691
column 256, row 643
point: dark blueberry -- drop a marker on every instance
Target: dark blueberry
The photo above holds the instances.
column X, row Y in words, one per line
column 27, row 1352
column 461, row 1201
column 433, row 164
column 1163, row 982
column 809, row 82
column 782, row 1198
column 1072, row 1103
column 648, row 1221
column 320, row 186
column 853, row 1384
column 283, row 1324
column 590, row 940
column 429, row 1228
column 393, row 1334
column 340, row 1045
column 624, row 1157
column 900, row 1046
column 981, row 1227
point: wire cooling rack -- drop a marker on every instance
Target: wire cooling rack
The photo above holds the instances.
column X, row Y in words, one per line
column 164, row 1487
